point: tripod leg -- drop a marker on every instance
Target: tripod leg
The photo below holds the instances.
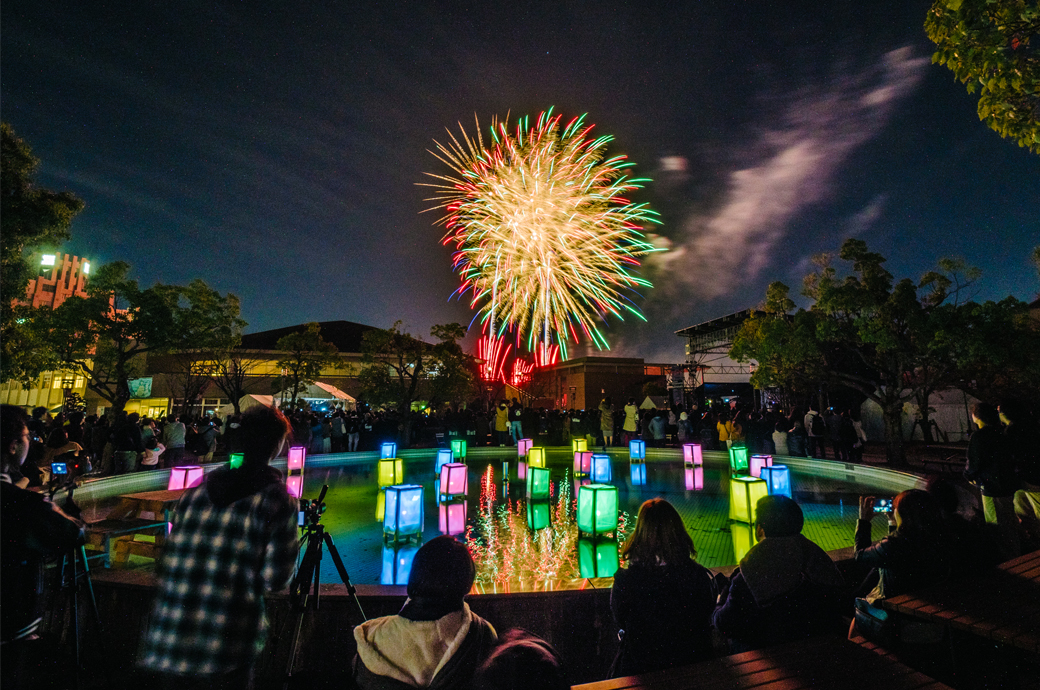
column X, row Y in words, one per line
column 90, row 587
column 343, row 575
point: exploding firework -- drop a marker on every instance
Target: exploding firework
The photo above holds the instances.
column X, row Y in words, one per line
column 545, row 239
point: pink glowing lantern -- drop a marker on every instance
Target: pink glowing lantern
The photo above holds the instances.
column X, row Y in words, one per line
column 524, row 445
column 294, row 485
column 694, row 478
column 454, row 479
column 297, row 455
column 582, row 462
column 758, row 462
column 693, row 455
column 185, row 477
column 452, row 518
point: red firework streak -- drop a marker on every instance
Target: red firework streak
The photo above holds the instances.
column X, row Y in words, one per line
column 492, row 352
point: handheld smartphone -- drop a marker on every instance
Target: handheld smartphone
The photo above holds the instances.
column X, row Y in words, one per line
column 301, row 518
column 59, row 468
column 882, row 505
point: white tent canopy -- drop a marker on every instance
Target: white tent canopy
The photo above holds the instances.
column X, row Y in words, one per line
column 245, row 402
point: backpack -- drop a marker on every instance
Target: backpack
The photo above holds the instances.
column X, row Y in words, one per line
column 819, row 427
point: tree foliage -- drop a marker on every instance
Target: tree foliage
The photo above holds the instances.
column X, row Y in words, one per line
column 30, row 217
column 306, row 354
column 991, row 45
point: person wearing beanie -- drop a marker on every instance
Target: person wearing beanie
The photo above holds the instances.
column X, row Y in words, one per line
column 786, row 588
column 435, row 641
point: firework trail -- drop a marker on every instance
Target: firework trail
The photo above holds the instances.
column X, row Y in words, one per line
column 545, row 239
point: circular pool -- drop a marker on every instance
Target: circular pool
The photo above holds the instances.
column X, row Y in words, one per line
column 534, row 546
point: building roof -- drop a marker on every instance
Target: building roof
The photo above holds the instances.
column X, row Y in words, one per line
column 719, row 324
column 345, row 335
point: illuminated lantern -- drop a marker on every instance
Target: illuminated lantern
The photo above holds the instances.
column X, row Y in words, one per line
column 601, row 468
column 538, row 515
column 597, row 508
column 636, row 449
column 758, row 462
column 738, row 460
column 390, row 472
column 444, row 456
column 521, row 470
column 582, row 463
column 458, row 448
column 235, row 460
column 743, row 539
column 294, row 485
column 297, row 455
column 397, row 563
column 597, row 557
column 454, row 480
column 185, row 477
column 744, row 493
column 638, row 473
column 693, row 455
column 579, row 444
column 537, row 483
column 452, row 518
column 536, row 457
column 404, row 512
column 694, row 478
column 524, row 445
column 778, row 478
column 388, row 450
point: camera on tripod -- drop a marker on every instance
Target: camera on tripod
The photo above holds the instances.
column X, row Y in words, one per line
column 311, row 510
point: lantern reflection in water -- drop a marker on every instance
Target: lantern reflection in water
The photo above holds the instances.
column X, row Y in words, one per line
column 294, row 485
column 638, row 474
column 743, row 539
column 537, row 515
column 694, row 478
column 452, row 518
column 597, row 557
column 397, row 563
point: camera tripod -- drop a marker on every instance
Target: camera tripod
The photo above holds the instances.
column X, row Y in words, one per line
column 314, row 540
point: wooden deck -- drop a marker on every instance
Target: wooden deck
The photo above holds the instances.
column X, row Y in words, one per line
column 824, row 662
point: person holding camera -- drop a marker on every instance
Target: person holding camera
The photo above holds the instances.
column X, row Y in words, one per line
column 33, row 529
column 234, row 537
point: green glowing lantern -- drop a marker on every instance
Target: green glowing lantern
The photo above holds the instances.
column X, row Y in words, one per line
column 597, row 508
column 537, row 483
column 458, row 448
column 235, row 460
column 744, row 493
column 597, row 557
column 738, row 460
column 538, row 515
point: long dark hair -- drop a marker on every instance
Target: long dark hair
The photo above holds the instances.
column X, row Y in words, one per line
column 920, row 517
column 660, row 536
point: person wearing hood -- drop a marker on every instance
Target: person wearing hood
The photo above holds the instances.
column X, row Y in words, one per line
column 435, row 641
column 786, row 588
column 234, row 537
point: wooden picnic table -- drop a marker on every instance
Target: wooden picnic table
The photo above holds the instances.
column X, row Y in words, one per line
column 822, row 662
column 1003, row 606
column 157, row 503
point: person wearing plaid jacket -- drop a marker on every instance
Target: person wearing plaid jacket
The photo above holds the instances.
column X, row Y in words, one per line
column 234, row 537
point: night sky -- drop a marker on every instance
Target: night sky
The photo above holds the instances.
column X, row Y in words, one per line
column 273, row 149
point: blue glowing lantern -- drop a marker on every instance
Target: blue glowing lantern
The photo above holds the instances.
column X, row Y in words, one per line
column 597, row 508
column 536, row 457
column 597, row 557
column 693, row 455
column 738, row 460
column 757, row 463
column 638, row 474
column 579, row 444
column 601, row 468
column 524, row 445
column 778, row 479
column 397, row 563
column 538, row 515
column 389, row 472
column 444, row 456
column 454, row 482
column 744, row 493
column 637, row 449
column 458, row 448
column 537, row 483
column 404, row 512
column 388, row 450
column 582, row 463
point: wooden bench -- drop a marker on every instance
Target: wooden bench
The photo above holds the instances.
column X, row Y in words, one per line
column 822, row 662
column 944, row 458
column 116, row 540
column 1003, row 606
